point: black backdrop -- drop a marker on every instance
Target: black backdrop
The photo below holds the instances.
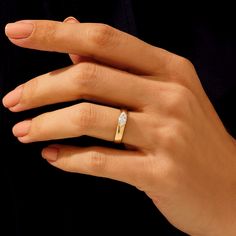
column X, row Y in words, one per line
column 38, row 199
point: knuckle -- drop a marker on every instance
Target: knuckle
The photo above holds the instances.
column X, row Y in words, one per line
column 29, row 91
column 97, row 161
column 85, row 118
column 157, row 171
column 86, row 77
column 101, row 35
column 37, row 129
column 179, row 101
column 181, row 70
column 182, row 94
column 170, row 134
column 184, row 62
column 47, row 33
column 153, row 125
column 174, row 136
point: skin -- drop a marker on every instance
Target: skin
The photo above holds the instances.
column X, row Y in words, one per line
column 181, row 157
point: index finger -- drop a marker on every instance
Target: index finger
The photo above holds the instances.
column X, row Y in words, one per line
column 98, row 41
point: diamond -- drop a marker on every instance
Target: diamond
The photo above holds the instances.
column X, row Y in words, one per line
column 122, row 118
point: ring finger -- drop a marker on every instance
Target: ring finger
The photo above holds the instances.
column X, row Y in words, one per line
column 81, row 119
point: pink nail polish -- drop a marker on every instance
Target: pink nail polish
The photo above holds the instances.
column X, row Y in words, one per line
column 50, row 154
column 71, row 19
column 22, row 129
column 13, row 98
column 19, row 30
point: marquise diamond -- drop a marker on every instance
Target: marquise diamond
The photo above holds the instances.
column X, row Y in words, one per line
column 122, row 118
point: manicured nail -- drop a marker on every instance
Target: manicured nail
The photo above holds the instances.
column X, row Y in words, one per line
column 50, row 153
column 19, row 30
column 22, row 129
column 13, row 98
column 71, row 19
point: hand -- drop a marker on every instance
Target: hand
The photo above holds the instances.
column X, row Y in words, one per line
column 182, row 156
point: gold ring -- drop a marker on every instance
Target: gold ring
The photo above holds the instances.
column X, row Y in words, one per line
column 122, row 120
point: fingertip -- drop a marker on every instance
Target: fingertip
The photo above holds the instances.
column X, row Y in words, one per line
column 22, row 129
column 19, row 30
column 13, row 97
column 71, row 19
column 50, row 153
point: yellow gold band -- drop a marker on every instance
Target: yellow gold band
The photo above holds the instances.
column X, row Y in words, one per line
column 122, row 120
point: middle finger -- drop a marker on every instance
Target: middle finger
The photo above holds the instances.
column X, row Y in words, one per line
column 83, row 81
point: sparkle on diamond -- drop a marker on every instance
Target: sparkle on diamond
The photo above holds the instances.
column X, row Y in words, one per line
column 122, row 118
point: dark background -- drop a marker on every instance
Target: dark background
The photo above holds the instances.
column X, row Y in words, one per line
column 37, row 199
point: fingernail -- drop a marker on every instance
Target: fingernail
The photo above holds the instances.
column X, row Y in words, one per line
column 50, row 153
column 22, row 129
column 13, row 98
column 19, row 30
column 71, row 19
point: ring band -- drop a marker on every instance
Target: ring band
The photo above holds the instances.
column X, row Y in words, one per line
column 122, row 120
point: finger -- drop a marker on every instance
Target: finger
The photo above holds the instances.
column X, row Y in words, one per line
column 98, row 41
column 78, row 120
column 74, row 58
column 83, row 81
column 122, row 165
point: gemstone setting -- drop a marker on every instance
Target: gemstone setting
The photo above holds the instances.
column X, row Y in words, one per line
column 122, row 119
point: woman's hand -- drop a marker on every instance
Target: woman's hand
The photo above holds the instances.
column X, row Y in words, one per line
column 183, row 158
